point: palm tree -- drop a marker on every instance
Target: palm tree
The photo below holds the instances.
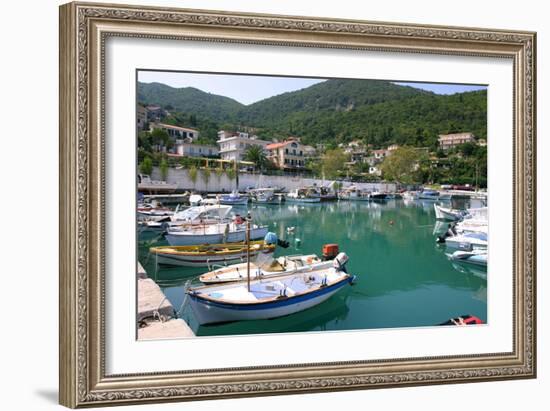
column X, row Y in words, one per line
column 256, row 155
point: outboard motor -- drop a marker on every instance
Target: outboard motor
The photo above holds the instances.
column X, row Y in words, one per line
column 330, row 251
column 340, row 262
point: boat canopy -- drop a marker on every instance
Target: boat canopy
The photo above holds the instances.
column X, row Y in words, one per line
column 203, row 212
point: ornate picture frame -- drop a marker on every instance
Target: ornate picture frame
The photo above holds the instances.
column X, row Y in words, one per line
column 84, row 28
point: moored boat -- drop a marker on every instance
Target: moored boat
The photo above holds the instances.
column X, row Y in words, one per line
column 233, row 199
column 477, row 257
column 264, row 269
column 274, row 297
column 377, row 196
column 353, row 193
column 153, row 211
column 444, row 213
column 466, row 241
column 216, row 233
column 303, row 195
column 428, row 195
column 207, row 255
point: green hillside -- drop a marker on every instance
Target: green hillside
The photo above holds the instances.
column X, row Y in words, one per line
column 334, row 111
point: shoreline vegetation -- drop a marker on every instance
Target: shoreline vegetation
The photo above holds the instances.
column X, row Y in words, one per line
column 361, row 131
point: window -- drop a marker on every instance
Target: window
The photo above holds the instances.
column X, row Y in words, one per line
column 301, row 153
column 286, row 150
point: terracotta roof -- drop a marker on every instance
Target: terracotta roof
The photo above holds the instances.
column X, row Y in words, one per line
column 175, row 127
column 277, row 145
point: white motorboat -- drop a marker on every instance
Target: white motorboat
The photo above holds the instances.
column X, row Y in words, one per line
column 467, row 241
column 153, row 211
column 198, row 215
column 477, row 257
column 472, row 226
column 444, row 213
column 273, row 297
column 303, row 195
column 195, row 200
column 215, row 233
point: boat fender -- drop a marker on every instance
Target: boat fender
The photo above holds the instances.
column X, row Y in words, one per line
column 271, row 238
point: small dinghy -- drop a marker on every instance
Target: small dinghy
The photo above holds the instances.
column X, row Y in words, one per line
column 477, row 257
column 207, row 255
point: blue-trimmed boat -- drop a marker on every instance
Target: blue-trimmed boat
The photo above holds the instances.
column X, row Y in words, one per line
column 265, row 298
column 234, row 199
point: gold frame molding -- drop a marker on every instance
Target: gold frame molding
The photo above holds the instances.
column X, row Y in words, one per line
column 84, row 27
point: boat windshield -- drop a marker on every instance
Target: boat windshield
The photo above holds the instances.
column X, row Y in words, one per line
column 203, row 212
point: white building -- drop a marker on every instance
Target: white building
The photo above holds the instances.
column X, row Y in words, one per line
column 234, row 145
column 447, row 141
column 176, row 132
column 186, row 149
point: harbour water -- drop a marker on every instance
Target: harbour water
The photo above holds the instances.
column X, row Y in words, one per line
column 403, row 278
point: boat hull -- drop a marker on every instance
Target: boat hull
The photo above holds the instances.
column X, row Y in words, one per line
column 209, row 312
column 303, row 200
column 442, row 213
column 214, row 238
column 204, row 260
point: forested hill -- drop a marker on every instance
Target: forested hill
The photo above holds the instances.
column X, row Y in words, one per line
column 189, row 100
column 334, row 111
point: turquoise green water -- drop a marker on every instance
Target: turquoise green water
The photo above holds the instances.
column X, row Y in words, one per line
column 403, row 278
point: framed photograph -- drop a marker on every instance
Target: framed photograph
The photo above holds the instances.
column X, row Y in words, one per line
column 263, row 205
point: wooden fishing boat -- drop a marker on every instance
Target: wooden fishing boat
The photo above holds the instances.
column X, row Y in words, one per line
column 303, row 195
column 263, row 269
column 208, row 255
column 274, row 297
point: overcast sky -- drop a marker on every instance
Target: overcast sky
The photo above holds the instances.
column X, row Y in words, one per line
column 249, row 89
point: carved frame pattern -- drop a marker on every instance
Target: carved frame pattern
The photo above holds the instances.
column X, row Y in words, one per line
column 82, row 378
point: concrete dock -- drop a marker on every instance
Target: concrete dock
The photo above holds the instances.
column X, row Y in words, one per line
column 156, row 317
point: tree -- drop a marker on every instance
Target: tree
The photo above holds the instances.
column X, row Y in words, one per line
column 256, row 155
column 163, row 169
column 193, row 174
column 206, row 176
column 146, row 167
column 401, row 165
column 160, row 137
column 333, row 162
column 231, row 173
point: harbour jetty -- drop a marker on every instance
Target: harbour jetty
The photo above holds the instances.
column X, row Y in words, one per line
column 155, row 314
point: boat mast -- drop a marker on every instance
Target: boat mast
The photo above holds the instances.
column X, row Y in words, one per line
column 248, row 218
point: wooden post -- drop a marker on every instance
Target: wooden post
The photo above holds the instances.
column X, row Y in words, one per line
column 248, row 251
